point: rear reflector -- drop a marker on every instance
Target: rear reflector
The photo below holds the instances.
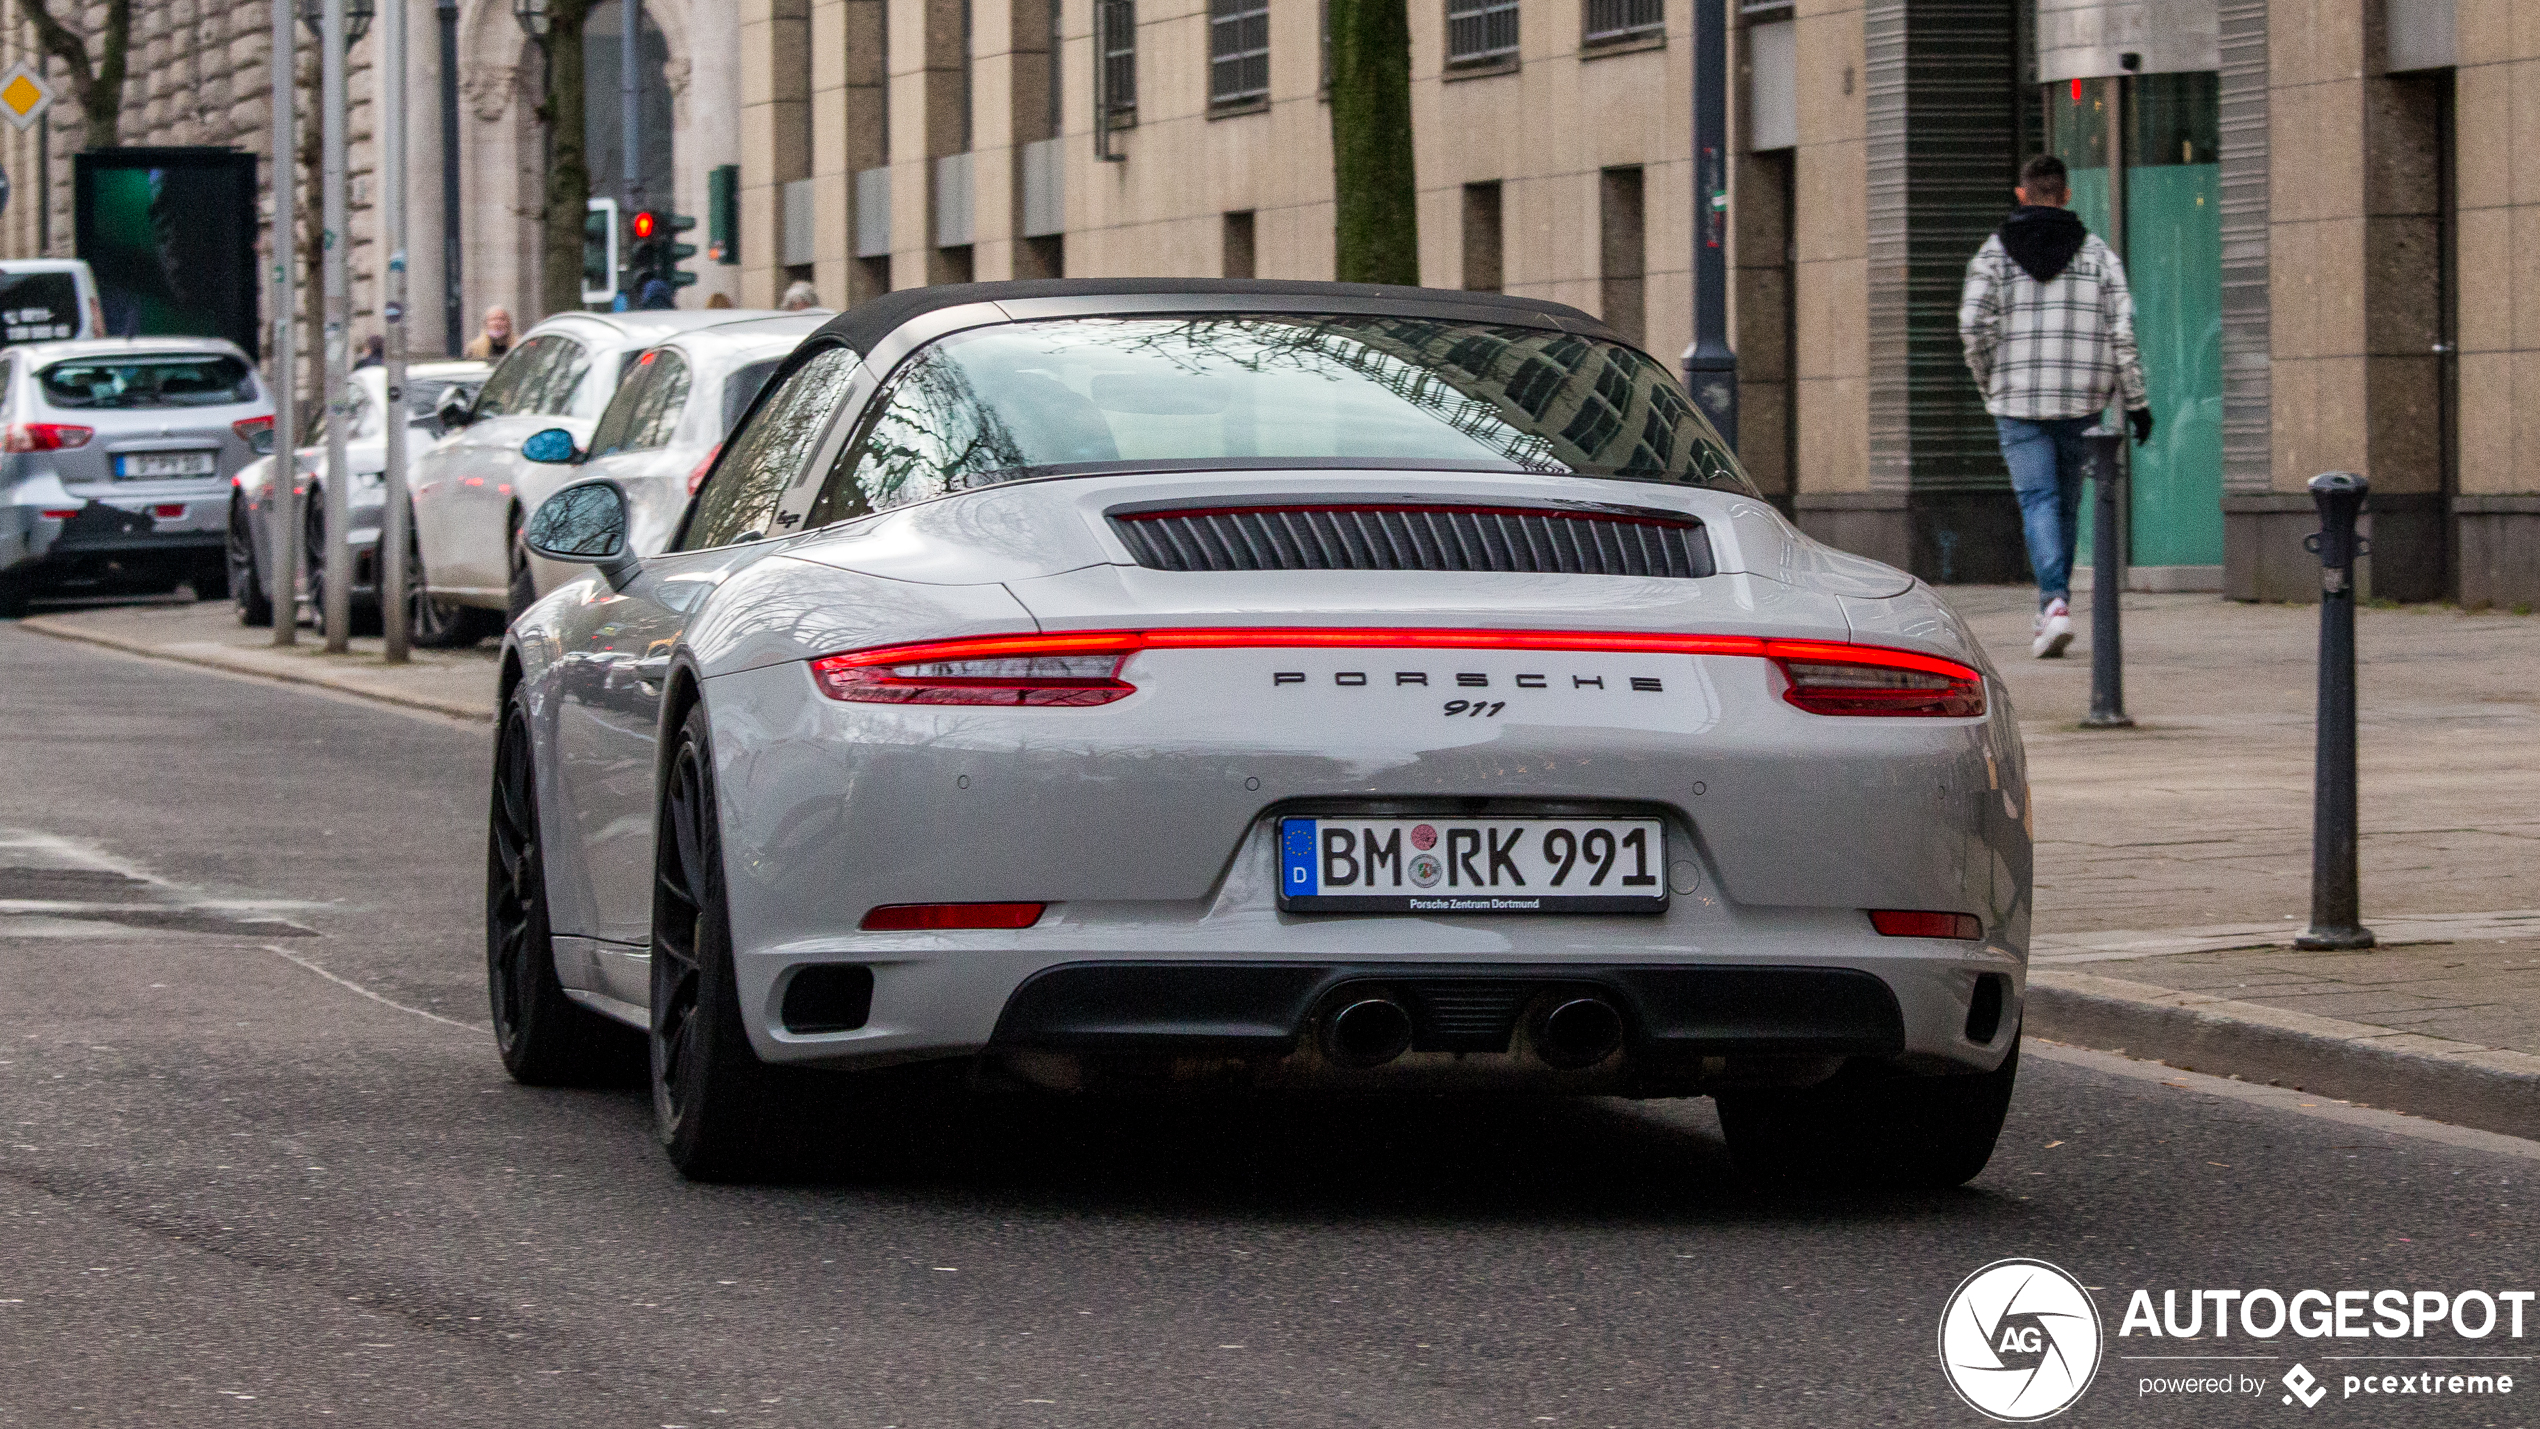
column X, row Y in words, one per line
column 1902, row 923
column 906, row 917
column 1083, row 667
column 58, row 513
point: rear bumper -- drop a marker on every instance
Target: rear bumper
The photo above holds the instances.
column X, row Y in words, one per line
column 34, row 540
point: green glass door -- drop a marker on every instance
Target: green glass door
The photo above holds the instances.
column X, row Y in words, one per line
column 2173, row 257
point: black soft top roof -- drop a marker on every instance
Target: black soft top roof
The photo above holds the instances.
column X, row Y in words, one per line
column 867, row 324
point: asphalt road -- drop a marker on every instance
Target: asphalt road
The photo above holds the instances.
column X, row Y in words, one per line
column 259, row 1165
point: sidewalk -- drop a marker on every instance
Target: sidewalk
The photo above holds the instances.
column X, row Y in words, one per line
column 2173, row 859
column 458, row 683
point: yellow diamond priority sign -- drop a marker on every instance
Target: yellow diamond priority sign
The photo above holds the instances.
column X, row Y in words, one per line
column 24, row 96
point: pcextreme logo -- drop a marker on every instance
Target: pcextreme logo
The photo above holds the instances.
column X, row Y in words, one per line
column 2020, row 1341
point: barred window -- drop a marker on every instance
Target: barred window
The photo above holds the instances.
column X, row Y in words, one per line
column 1479, row 31
column 1116, row 82
column 1611, row 20
column 1238, row 51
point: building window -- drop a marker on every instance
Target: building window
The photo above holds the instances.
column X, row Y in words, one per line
column 1481, row 238
column 1235, row 258
column 1115, row 73
column 1238, row 52
column 1481, row 32
column 1611, row 21
column 1623, row 283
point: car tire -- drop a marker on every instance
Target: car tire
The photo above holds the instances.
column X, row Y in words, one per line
column 246, row 579
column 523, row 591
column 361, row 616
column 14, row 594
column 209, row 575
column 545, row 1037
column 716, row 1106
column 434, row 624
column 1871, row 1128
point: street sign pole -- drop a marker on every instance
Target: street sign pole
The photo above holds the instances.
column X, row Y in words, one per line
column 392, row 199
column 337, row 606
column 284, row 481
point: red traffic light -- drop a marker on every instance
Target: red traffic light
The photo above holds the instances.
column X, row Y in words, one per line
column 641, row 225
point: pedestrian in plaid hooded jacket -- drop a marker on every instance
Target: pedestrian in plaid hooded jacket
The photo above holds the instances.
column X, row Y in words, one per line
column 2048, row 327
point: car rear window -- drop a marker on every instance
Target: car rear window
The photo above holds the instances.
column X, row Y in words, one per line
column 140, row 380
column 38, row 307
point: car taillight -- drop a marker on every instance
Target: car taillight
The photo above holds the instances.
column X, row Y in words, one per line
column 250, row 428
column 1837, row 679
column 45, row 436
column 1907, row 923
column 909, row 917
column 1026, row 677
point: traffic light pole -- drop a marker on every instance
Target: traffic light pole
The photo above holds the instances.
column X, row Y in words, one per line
column 392, row 202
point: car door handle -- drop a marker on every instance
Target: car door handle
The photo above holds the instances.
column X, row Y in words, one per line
column 651, row 670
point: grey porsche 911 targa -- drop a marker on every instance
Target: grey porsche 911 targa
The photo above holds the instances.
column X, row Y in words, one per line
column 1187, row 684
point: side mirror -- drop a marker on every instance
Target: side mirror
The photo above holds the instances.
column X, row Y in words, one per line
column 456, row 408
column 586, row 524
column 554, row 446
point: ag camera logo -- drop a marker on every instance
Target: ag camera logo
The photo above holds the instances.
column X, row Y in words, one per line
column 2020, row 1341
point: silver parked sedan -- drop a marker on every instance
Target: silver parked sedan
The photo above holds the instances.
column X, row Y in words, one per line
column 250, row 532
column 117, row 462
column 1138, row 684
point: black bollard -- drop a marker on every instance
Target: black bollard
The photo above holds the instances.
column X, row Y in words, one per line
column 2336, row 892
column 2107, row 579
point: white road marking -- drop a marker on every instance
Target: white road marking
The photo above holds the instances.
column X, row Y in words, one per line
column 357, row 989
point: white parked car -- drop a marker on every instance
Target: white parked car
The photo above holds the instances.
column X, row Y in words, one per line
column 250, row 539
column 472, row 491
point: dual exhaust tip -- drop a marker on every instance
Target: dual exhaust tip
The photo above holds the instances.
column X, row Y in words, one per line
column 1366, row 1028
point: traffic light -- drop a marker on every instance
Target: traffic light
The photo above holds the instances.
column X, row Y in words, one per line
column 652, row 252
column 599, row 251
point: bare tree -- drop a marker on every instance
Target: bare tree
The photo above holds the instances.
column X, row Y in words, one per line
column 568, row 192
column 96, row 84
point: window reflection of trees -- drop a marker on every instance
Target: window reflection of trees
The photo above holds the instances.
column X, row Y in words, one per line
column 741, row 497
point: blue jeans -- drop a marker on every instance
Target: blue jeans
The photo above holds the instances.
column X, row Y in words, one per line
column 2048, row 462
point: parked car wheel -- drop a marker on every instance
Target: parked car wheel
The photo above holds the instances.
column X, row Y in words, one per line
column 546, row 1039
column 364, row 613
column 524, row 585
column 209, row 575
column 1871, row 1128
column 714, row 1102
column 433, row 623
column 14, row 594
column 246, row 577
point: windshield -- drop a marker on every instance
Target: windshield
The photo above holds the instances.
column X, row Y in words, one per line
column 209, row 380
column 35, row 307
column 1080, row 395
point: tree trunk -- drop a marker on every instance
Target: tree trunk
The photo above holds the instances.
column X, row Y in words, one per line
column 1375, row 226
column 568, row 196
column 96, row 86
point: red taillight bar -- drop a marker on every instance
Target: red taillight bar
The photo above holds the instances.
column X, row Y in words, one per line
column 1909, row 923
column 926, row 917
column 1326, row 637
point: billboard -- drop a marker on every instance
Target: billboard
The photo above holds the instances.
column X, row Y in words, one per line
column 171, row 235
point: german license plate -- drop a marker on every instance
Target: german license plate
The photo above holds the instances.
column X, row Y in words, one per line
column 136, row 466
column 1454, row 865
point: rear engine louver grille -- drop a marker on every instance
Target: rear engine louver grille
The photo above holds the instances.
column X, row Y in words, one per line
column 1514, row 540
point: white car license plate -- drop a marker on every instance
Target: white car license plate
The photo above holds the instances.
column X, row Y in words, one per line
column 1456, row 865
column 135, row 466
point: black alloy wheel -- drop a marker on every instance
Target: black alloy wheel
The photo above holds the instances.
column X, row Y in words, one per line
column 246, row 578
column 545, row 1037
column 434, row 623
column 523, row 590
column 363, row 615
column 715, row 1105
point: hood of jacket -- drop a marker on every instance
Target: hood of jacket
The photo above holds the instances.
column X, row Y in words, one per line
column 2043, row 240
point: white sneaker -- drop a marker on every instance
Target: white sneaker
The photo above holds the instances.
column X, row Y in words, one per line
column 2054, row 630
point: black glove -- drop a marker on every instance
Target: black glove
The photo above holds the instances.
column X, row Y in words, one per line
column 2140, row 419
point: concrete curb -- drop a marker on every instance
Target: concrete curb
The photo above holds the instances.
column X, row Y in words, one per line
column 262, row 666
column 2459, row 1082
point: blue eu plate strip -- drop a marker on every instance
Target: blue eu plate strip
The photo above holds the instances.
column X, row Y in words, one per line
column 1296, row 858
